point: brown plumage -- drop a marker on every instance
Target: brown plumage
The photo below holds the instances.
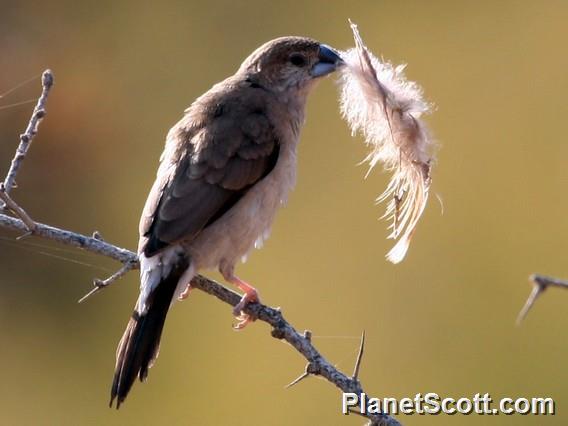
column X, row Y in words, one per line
column 215, row 171
column 227, row 167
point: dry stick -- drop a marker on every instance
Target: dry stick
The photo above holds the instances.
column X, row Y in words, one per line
column 540, row 284
column 31, row 130
column 100, row 284
column 31, row 227
column 63, row 236
column 281, row 329
column 16, row 209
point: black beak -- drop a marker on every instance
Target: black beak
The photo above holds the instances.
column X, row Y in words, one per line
column 329, row 61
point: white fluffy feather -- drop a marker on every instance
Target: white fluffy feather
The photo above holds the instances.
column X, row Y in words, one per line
column 378, row 102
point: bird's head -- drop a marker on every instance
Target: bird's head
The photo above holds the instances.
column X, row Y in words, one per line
column 290, row 64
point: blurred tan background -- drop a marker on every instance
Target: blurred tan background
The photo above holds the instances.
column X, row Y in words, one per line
column 441, row 321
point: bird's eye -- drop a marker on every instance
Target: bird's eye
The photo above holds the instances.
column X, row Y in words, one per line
column 298, row 59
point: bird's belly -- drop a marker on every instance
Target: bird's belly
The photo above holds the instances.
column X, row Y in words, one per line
column 247, row 224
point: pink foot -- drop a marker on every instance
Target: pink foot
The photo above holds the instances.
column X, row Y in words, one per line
column 184, row 295
column 251, row 295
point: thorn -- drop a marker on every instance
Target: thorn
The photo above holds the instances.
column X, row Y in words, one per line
column 537, row 290
column 24, row 236
column 312, row 369
column 309, row 368
column 100, row 284
column 359, row 356
column 89, row 294
column 297, row 380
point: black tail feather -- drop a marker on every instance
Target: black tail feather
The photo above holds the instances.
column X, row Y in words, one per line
column 140, row 342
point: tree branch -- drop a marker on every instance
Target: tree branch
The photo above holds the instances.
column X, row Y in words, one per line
column 69, row 238
column 540, row 284
column 101, row 284
column 31, row 130
column 16, row 209
column 281, row 328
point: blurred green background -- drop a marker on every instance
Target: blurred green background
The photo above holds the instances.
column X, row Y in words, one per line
column 442, row 321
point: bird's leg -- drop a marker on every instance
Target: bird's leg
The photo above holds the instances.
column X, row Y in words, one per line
column 251, row 295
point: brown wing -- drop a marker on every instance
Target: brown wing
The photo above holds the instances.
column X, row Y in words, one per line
column 222, row 160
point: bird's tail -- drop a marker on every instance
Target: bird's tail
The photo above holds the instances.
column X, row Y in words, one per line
column 139, row 346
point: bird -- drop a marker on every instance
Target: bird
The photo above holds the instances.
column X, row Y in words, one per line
column 227, row 167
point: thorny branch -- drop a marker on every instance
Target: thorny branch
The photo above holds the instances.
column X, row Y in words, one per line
column 28, row 135
column 540, row 284
column 281, row 329
column 101, row 284
column 16, row 209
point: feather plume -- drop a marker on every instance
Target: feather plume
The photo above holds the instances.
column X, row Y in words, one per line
column 378, row 102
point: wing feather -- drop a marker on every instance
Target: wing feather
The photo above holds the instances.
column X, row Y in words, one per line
column 221, row 161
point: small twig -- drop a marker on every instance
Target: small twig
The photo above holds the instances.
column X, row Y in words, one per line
column 101, row 284
column 71, row 239
column 359, row 357
column 540, row 284
column 31, row 130
column 16, row 209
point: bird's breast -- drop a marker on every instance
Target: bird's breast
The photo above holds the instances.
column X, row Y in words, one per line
column 247, row 224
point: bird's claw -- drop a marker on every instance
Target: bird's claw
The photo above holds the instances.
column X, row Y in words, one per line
column 243, row 319
column 185, row 294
